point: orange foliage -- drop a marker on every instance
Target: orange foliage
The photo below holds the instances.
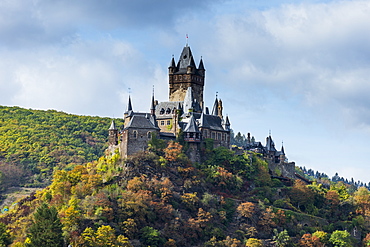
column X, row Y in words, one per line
column 172, row 151
column 246, row 209
column 310, row 241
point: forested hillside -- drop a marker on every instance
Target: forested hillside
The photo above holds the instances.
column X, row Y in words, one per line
column 159, row 198
column 33, row 143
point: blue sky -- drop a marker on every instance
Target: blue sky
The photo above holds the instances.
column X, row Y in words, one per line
column 298, row 68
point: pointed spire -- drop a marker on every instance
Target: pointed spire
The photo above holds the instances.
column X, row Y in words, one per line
column 112, row 126
column 188, row 101
column 152, row 105
column 129, row 105
column 201, row 66
column 172, row 64
column 282, row 148
column 227, row 123
column 215, row 107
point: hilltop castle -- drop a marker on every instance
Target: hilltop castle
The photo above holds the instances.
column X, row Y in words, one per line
column 183, row 114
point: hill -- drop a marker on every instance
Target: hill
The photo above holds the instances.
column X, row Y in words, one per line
column 34, row 143
column 159, row 198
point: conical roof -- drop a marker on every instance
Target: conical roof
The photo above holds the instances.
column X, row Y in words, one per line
column 215, row 108
column 191, row 127
column 201, row 66
column 129, row 105
column 112, row 126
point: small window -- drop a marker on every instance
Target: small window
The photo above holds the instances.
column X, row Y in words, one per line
column 213, row 135
column 174, row 110
column 219, row 136
column 162, row 122
column 168, row 122
column 168, row 111
column 162, row 111
column 135, row 134
column 149, row 134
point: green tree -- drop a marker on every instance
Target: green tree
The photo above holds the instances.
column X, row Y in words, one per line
column 151, row 237
column 340, row 239
column 5, row 239
column 46, row 228
column 281, row 239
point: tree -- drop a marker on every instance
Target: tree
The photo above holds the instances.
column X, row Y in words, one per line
column 281, row 239
column 246, row 209
column 151, row 237
column 340, row 239
column 46, row 228
column 309, row 240
column 5, row 239
column 253, row 242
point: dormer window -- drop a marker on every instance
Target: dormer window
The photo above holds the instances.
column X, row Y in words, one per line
column 162, row 111
column 168, row 111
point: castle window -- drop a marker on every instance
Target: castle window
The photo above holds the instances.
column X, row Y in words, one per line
column 149, row 134
column 213, row 135
column 162, row 122
column 162, row 111
column 224, row 139
column 135, row 134
column 168, row 111
column 168, row 122
column 219, row 136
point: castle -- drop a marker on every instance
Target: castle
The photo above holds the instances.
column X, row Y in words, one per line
column 183, row 114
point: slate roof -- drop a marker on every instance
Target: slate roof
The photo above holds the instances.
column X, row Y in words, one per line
column 209, row 121
column 165, row 106
column 141, row 122
column 191, row 126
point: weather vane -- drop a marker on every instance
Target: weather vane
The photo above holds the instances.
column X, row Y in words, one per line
column 187, row 37
column 129, row 90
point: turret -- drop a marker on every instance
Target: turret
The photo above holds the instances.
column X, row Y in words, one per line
column 113, row 134
column 227, row 124
column 191, row 131
column 172, row 67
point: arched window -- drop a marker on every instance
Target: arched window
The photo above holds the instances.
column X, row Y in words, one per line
column 162, row 111
column 135, row 134
column 168, row 111
column 149, row 134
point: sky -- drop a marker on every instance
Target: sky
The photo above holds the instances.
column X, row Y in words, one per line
column 299, row 69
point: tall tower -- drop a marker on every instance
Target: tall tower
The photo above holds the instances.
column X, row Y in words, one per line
column 184, row 75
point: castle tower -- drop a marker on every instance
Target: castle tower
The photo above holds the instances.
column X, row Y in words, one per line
column 184, row 75
column 112, row 134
